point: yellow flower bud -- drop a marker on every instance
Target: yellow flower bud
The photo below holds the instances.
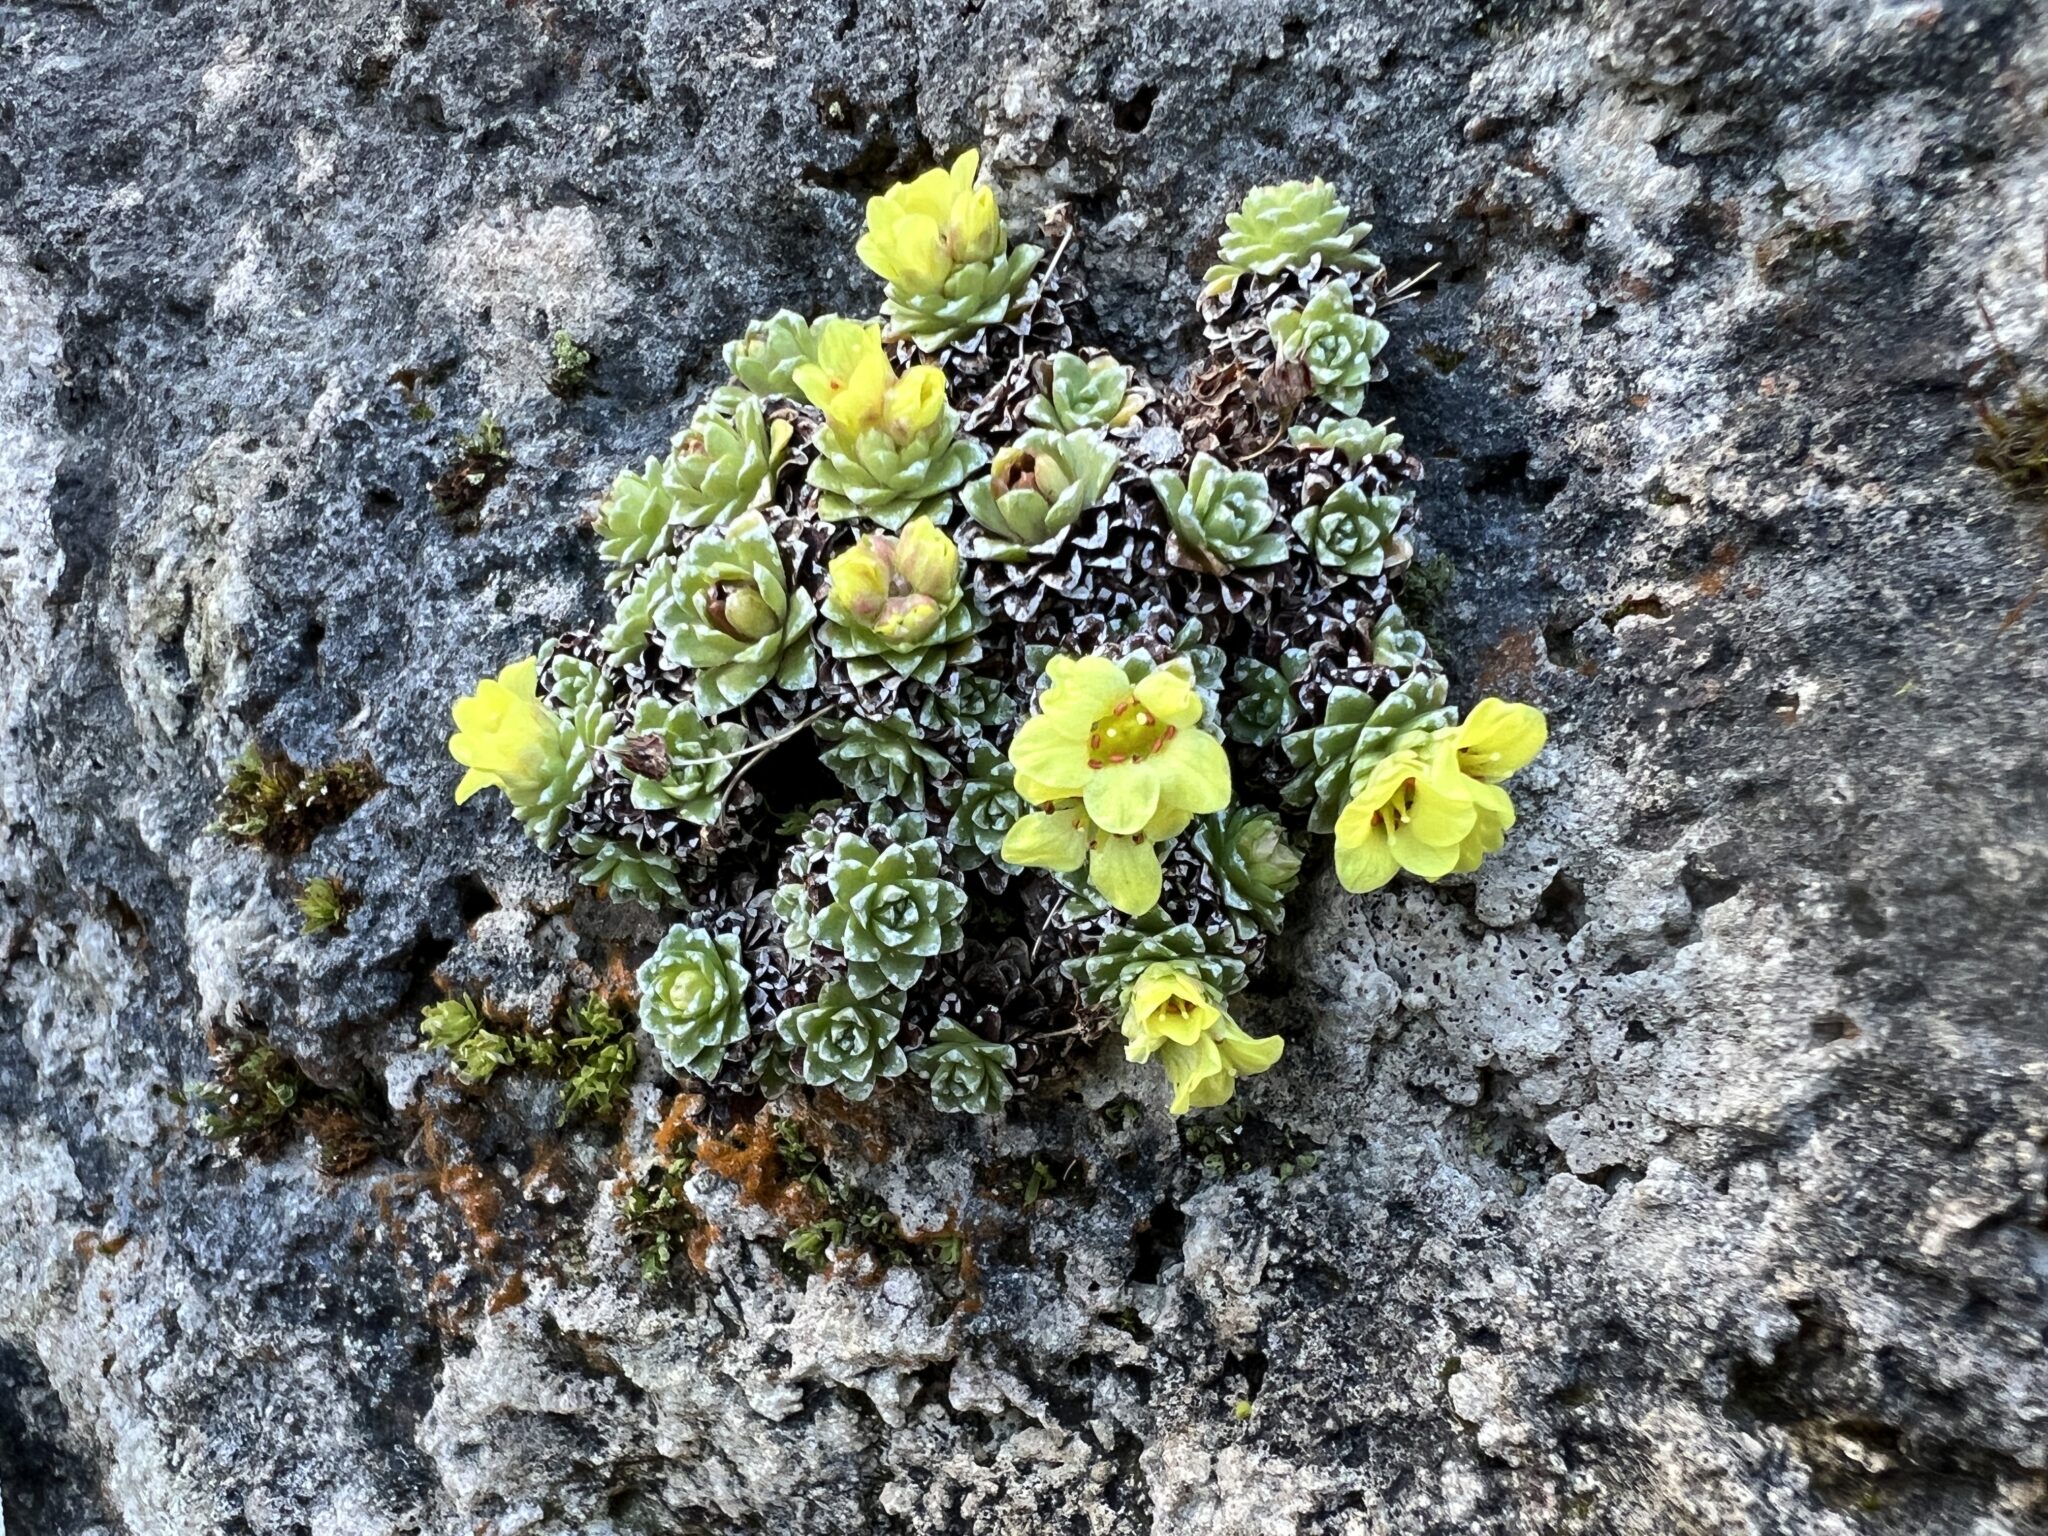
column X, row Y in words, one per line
column 926, row 558
column 914, row 403
column 860, row 580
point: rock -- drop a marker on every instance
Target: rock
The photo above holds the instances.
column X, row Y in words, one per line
column 1682, row 1171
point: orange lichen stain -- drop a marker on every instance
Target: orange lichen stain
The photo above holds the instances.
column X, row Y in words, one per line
column 507, row 1295
column 620, row 984
column 698, row 1249
column 746, row 1156
column 473, row 1193
column 88, row 1244
column 680, row 1121
column 1513, row 660
column 1713, row 581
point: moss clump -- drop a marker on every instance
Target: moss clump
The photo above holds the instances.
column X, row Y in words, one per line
column 571, row 373
column 324, row 904
column 1229, row 1141
column 592, row 1053
column 257, row 1096
column 2013, row 440
column 273, row 803
column 657, row 1218
column 479, row 467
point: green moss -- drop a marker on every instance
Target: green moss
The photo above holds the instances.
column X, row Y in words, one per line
column 257, row 1097
column 658, row 1219
column 273, row 803
column 479, row 467
column 324, row 904
column 593, row 1053
column 571, row 374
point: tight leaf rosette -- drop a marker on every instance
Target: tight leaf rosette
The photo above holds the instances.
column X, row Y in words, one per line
column 1355, row 732
column 1034, row 491
column 895, row 605
column 1293, row 226
column 965, row 1073
column 693, row 998
column 848, row 1041
column 1337, row 345
column 731, row 614
column 939, row 244
column 765, row 360
column 1254, row 864
column 1170, row 1012
column 1117, row 766
column 1355, row 530
column 890, row 449
column 1222, row 519
column 892, row 908
column 675, row 761
column 1078, row 392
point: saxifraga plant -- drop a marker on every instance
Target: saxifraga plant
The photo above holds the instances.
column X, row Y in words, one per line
column 872, row 539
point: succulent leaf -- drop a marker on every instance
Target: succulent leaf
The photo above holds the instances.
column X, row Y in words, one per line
column 1337, row 345
column 1078, row 392
column 893, row 908
column 966, row 1074
column 1289, row 226
column 1254, row 864
column 766, row 358
column 693, row 998
column 1035, row 490
column 1356, row 530
column 848, row 1041
column 1222, row 518
column 1356, row 731
column 730, row 613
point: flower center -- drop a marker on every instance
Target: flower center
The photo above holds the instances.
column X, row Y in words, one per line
column 1130, row 733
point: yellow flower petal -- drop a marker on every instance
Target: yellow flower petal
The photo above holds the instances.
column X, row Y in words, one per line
column 1170, row 696
column 1125, row 871
column 1194, row 772
column 1048, row 750
column 1123, row 798
column 1048, row 840
column 1086, row 686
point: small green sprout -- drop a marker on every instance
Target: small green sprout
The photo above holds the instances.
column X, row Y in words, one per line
column 324, row 904
column 254, row 1090
column 1242, row 1408
column 600, row 1058
column 456, row 1025
column 572, row 366
column 479, row 467
column 657, row 1217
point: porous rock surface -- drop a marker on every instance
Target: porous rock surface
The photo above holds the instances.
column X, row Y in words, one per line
column 1682, row 1172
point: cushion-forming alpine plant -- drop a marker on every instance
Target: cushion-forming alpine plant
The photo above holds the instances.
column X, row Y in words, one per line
column 973, row 694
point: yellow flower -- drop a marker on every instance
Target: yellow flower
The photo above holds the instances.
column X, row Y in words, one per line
column 923, row 231
column 1499, row 738
column 1413, row 812
column 1123, row 867
column 1170, row 1012
column 1167, row 1004
column 853, row 384
column 506, row 737
column 896, row 586
column 1130, row 753
column 1436, row 807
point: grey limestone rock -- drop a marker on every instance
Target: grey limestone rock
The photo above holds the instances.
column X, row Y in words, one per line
column 1681, row 1172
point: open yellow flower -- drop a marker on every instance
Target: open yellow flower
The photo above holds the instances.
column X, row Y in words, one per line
column 1497, row 739
column 1129, row 752
column 1123, row 867
column 920, row 232
column 853, row 383
column 506, row 737
column 1413, row 812
column 1171, row 1013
